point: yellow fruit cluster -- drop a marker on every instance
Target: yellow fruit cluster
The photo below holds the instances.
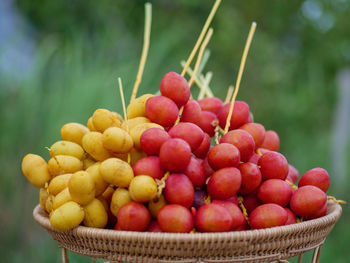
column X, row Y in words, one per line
column 89, row 176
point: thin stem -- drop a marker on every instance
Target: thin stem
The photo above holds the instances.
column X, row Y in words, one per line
column 145, row 48
column 201, row 36
column 229, row 93
column 124, row 110
column 240, row 73
column 205, row 86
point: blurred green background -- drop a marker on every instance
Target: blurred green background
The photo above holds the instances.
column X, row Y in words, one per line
column 59, row 61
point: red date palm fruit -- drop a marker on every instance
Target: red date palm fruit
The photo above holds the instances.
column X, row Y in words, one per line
column 254, row 158
column 149, row 165
column 271, row 141
column 293, row 174
column 240, row 115
column 179, row 190
column 206, row 123
column 133, row 216
column 161, row 110
column 175, row 155
column 317, row 177
column 233, row 199
column 242, row 140
column 251, row 178
column 213, row 104
column 238, row 220
column 273, row 165
column 320, row 213
column 275, row 191
column 195, row 172
column 268, row 215
column 224, row 183
column 257, row 131
column 213, row 218
column 189, row 132
column 223, row 155
column 175, row 87
column 202, row 150
column 175, row 219
column 192, row 113
column 152, row 139
column 292, row 219
column 307, row 201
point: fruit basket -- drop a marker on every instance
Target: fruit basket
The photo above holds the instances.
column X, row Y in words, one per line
column 272, row 244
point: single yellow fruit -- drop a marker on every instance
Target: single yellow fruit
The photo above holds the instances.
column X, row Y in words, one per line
column 95, row 214
column 131, row 123
column 117, row 140
column 116, row 172
column 43, row 195
column 73, row 132
column 137, row 131
column 120, row 197
column 102, row 119
column 143, row 188
column 58, row 183
column 100, row 184
column 67, row 216
column 67, row 148
column 155, row 205
column 49, row 203
column 64, row 164
column 137, row 108
column 93, row 145
column 82, row 187
column 35, row 169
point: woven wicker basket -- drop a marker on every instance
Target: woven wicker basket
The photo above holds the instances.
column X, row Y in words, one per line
column 273, row 244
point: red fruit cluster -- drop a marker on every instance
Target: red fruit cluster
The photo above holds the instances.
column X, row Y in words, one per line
column 203, row 180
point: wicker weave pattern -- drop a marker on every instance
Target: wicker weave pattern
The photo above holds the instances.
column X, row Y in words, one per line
column 245, row 246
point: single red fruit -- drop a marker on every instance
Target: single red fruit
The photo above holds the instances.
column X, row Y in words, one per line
column 162, row 110
column 224, row 183
column 175, row 219
column 242, row 140
column 211, row 104
column 317, row 177
column 192, row 113
column 206, row 123
column 240, row 115
column 195, row 172
column 223, row 155
column 149, row 165
column 273, row 165
column 307, row 201
column 208, row 171
column 152, row 139
column 275, row 191
column 175, row 87
column 268, row 215
column 175, row 155
column 133, row 216
column 251, row 178
column 213, row 218
column 271, row 141
column 292, row 219
column 179, row 190
column 189, row 132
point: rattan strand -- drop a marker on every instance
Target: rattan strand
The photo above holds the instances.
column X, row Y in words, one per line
column 271, row 244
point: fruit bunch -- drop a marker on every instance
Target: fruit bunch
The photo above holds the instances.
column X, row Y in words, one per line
column 158, row 171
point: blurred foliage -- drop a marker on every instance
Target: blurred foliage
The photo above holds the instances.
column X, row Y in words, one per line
column 83, row 46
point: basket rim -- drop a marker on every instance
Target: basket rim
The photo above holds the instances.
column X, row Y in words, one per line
column 333, row 214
